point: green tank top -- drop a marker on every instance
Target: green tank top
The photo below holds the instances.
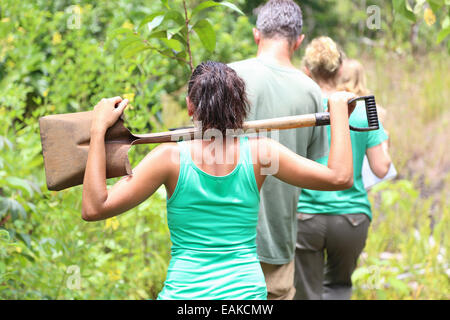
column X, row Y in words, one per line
column 212, row 222
column 353, row 200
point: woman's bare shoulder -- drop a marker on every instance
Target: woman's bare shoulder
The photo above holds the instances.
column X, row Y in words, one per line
column 262, row 142
column 165, row 154
column 263, row 149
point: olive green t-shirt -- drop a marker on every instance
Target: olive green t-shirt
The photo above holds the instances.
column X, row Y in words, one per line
column 276, row 91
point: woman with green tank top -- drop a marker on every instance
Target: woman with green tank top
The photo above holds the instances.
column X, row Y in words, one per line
column 333, row 226
column 212, row 185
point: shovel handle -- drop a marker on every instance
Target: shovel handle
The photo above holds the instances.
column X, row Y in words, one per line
column 291, row 122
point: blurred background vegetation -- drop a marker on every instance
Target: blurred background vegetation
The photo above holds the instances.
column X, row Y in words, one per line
column 63, row 56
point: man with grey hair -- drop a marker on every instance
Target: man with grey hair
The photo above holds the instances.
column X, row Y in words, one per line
column 276, row 88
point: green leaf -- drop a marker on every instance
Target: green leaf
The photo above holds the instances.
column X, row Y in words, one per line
column 119, row 31
column 400, row 8
column 4, row 141
column 361, row 273
column 446, row 22
column 173, row 44
column 155, row 23
column 181, row 54
column 232, row 7
column 127, row 42
column 381, row 294
column 150, row 18
column 4, row 206
column 25, row 238
column 165, row 3
column 179, row 38
column 20, row 184
column 442, row 35
column 418, row 7
column 4, row 235
column 133, row 50
column 397, row 4
column 175, row 16
column 208, row 4
column 436, row 4
column 399, row 286
column 206, row 33
column 162, row 20
column 173, row 31
column 16, row 209
column 203, row 6
column 158, row 34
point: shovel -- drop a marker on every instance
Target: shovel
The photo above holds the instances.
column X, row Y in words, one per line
column 65, row 141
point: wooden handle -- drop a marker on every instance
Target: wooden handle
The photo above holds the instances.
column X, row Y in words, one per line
column 168, row 136
column 301, row 121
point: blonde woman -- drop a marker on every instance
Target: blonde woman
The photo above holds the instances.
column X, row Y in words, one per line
column 333, row 226
column 352, row 77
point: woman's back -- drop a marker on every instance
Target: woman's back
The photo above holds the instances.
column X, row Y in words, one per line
column 212, row 221
column 354, row 199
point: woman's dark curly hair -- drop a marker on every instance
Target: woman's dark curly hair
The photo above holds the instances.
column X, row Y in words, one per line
column 218, row 95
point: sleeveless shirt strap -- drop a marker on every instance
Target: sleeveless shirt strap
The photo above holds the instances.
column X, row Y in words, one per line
column 245, row 153
column 247, row 163
column 184, row 163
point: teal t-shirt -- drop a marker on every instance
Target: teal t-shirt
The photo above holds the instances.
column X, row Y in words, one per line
column 277, row 91
column 353, row 200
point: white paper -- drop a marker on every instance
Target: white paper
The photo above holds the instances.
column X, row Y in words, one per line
column 370, row 179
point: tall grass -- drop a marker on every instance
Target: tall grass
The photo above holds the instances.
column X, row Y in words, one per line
column 415, row 91
column 406, row 254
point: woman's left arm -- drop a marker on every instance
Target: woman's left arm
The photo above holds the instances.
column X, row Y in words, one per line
column 379, row 159
column 100, row 203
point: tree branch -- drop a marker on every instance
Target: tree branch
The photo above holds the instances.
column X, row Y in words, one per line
column 188, row 44
column 165, row 54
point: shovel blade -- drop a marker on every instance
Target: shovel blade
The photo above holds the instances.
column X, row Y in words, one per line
column 65, row 142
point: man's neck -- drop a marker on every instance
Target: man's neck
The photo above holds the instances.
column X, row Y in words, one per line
column 276, row 51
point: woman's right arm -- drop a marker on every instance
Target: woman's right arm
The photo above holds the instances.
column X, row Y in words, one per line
column 152, row 172
column 305, row 173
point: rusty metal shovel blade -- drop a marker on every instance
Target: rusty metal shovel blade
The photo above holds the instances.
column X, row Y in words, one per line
column 65, row 142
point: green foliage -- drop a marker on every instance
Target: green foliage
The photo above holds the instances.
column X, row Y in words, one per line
column 415, row 10
column 48, row 65
column 169, row 31
column 406, row 252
